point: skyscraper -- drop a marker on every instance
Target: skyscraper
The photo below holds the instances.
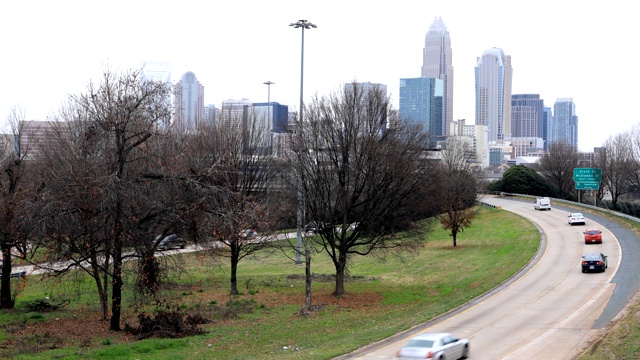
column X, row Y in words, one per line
column 493, row 93
column 527, row 116
column 421, row 102
column 188, row 102
column 156, row 71
column 437, row 63
column 564, row 127
column 546, row 127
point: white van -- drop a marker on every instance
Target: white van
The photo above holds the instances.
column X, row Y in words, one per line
column 542, row 203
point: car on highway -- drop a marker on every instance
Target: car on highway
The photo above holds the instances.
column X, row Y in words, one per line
column 593, row 236
column 171, row 241
column 542, row 203
column 311, row 228
column 435, row 346
column 576, row 218
column 248, row 234
column 594, row 262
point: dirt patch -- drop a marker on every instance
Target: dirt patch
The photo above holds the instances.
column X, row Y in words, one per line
column 85, row 331
column 88, row 330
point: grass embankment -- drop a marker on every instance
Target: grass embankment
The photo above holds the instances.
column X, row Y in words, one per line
column 386, row 295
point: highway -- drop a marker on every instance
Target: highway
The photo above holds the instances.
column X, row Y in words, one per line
column 550, row 310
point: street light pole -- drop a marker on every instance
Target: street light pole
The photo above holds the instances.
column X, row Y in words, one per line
column 269, row 83
column 302, row 24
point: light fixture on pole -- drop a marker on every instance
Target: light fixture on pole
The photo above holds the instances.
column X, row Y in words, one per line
column 302, row 24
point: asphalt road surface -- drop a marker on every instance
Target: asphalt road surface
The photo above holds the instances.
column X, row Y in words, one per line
column 550, row 310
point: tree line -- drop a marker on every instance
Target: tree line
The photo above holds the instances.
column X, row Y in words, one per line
column 618, row 159
column 110, row 175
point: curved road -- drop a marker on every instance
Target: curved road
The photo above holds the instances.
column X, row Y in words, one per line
column 550, row 310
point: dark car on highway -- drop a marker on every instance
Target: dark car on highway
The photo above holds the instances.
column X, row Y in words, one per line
column 311, row 228
column 594, row 262
column 171, row 241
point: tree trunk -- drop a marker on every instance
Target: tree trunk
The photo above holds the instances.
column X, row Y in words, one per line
column 102, row 295
column 6, row 301
column 116, row 293
column 105, row 285
column 454, row 235
column 307, row 277
column 234, row 270
column 341, row 265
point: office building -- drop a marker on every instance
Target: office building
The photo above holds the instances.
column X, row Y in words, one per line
column 364, row 90
column 547, row 119
column 564, row 127
column 525, row 146
column 493, row 76
column 274, row 115
column 269, row 118
column 437, row 63
column 188, row 103
column 421, row 103
column 477, row 136
column 211, row 114
column 234, row 114
column 158, row 71
column 527, row 116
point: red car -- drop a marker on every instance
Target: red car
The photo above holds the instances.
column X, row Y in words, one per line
column 593, row 236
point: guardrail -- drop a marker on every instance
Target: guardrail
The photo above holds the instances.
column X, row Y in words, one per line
column 489, row 205
column 19, row 274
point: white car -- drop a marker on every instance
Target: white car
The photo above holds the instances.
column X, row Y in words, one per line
column 248, row 234
column 435, row 346
column 576, row 218
column 542, row 203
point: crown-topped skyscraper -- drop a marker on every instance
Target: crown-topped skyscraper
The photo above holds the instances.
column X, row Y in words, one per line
column 437, row 63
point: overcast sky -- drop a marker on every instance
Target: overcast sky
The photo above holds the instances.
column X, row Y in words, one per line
column 585, row 50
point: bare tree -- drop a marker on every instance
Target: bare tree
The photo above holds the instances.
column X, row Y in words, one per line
column 617, row 164
column 71, row 206
column 16, row 190
column 457, row 154
column 232, row 171
column 459, row 194
column 360, row 180
column 634, row 172
column 557, row 167
column 110, row 127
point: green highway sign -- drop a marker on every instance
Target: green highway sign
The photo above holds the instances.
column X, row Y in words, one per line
column 586, row 175
column 587, row 185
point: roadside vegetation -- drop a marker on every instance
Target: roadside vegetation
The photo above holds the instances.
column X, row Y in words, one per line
column 387, row 294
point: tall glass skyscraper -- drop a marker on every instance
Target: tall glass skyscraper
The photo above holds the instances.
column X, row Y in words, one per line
column 189, row 102
column 564, row 127
column 437, row 63
column 493, row 93
column 421, row 102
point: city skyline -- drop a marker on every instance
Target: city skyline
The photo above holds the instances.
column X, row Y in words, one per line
column 53, row 49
